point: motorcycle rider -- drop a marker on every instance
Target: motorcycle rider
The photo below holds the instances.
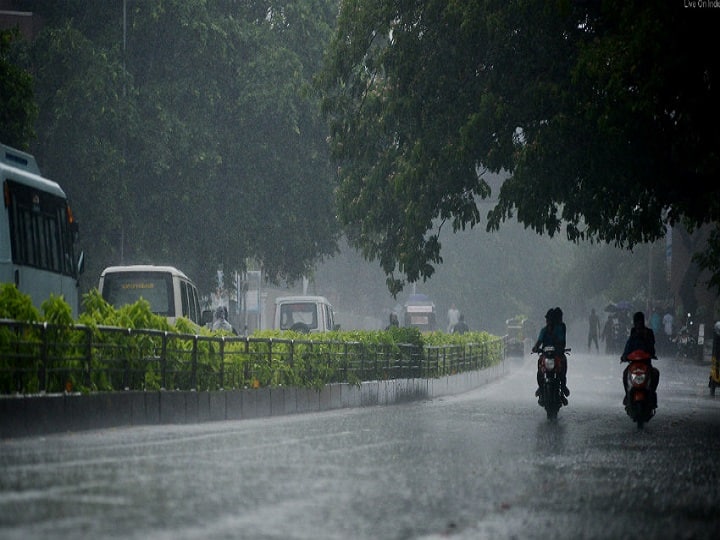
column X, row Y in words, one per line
column 553, row 333
column 643, row 338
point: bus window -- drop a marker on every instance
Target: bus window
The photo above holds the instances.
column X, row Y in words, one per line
column 120, row 289
column 190, row 302
column 195, row 313
column 39, row 232
column 184, row 297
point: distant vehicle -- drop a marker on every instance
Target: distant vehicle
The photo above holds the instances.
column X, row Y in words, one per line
column 304, row 314
column 169, row 291
column 420, row 312
column 515, row 344
column 37, row 232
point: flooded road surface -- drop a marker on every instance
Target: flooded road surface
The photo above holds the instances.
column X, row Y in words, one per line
column 486, row 464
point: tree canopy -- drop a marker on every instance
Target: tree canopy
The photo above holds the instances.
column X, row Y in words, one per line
column 18, row 109
column 190, row 136
column 602, row 112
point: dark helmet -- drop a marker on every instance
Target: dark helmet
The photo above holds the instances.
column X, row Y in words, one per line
column 639, row 317
column 549, row 315
column 558, row 314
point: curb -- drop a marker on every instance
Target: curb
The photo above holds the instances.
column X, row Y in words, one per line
column 27, row 416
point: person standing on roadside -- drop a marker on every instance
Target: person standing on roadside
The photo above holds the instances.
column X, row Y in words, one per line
column 461, row 327
column 593, row 330
column 667, row 322
column 453, row 316
column 394, row 321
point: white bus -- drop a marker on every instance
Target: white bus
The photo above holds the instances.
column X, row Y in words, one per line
column 169, row 291
column 37, row 232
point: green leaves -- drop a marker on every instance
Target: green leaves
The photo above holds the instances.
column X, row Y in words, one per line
column 16, row 305
column 18, row 109
column 583, row 103
column 131, row 348
column 96, row 311
column 192, row 138
column 57, row 311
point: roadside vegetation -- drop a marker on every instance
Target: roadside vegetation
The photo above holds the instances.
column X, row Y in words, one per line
column 130, row 348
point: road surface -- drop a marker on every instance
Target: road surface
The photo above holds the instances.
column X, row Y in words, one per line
column 486, row 464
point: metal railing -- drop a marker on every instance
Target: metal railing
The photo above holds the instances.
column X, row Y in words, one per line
column 42, row 357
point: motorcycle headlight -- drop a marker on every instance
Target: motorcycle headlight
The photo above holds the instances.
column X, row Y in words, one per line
column 637, row 378
column 549, row 363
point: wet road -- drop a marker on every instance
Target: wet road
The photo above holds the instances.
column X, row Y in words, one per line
column 486, row 464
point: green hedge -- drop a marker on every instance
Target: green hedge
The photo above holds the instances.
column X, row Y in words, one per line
column 110, row 349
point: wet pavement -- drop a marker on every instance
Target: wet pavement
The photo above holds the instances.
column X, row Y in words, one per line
column 486, row 464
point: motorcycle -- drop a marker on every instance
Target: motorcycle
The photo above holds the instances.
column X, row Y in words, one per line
column 640, row 400
column 685, row 341
column 550, row 392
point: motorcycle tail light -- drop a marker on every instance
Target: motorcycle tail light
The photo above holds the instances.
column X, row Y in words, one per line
column 638, row 378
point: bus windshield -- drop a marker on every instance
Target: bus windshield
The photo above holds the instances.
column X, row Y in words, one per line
column 121, row 288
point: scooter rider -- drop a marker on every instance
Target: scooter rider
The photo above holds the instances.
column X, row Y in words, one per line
column 642, row 338
column 553, row 333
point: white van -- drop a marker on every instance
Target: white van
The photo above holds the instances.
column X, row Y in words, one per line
column 170, row 292
column 304, row 314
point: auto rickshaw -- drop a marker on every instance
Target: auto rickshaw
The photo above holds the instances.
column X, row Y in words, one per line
column 420, row 312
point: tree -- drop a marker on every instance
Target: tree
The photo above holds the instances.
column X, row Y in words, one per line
column 17, row 106
column 84, row 118
column 603, row 112
column 194, row 141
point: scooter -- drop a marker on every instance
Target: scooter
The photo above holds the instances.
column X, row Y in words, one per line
column 685, row 342
column 640, row 400
column 550, row 365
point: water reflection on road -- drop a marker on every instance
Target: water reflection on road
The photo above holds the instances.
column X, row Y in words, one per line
column 486, row 464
